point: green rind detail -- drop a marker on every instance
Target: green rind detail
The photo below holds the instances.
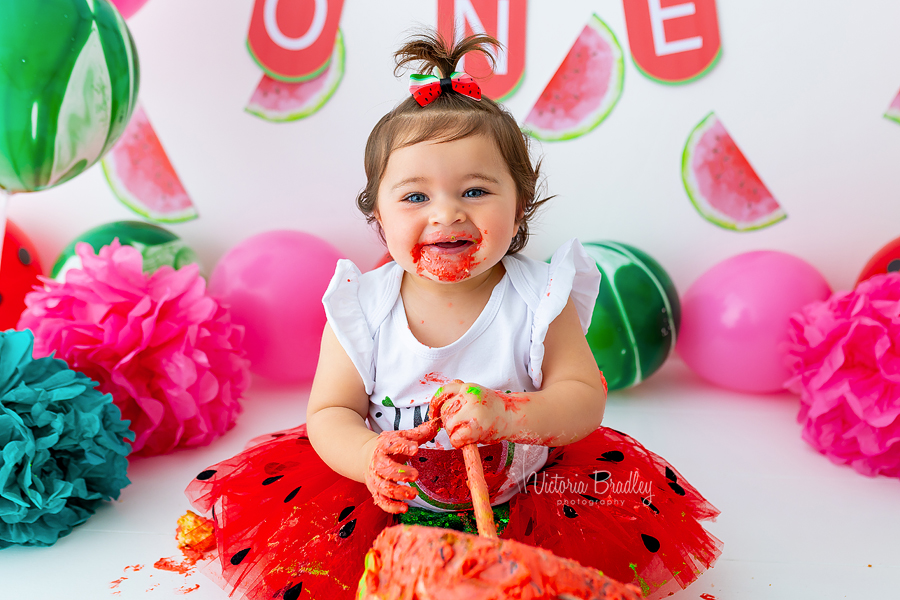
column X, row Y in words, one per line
column 187, row 214
column 618, row 76
column 701, row 74
column 280, row 77
column 387, row 402
column 340, row 56
column 512, row 91
column 892, row 115
column 696, row 133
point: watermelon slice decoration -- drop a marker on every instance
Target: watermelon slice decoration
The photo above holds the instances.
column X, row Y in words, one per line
column 442, row 474
column 280, row 101
column 142, row 176
column 893, row 111
column 722, row 184
column 584, row 89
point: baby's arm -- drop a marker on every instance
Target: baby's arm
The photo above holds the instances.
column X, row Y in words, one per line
column 335, row 420
column 567, row 408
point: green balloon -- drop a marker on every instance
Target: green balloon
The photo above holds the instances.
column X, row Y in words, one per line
column 68, row 83
column 158, row 246
column 636, row 317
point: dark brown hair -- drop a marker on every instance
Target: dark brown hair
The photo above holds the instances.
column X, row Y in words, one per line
column 447, row 118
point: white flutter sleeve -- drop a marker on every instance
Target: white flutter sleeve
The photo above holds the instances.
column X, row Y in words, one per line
column 547, row 289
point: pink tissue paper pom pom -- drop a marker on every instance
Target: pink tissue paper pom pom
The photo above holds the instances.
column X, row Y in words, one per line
column 168, row 353
column 844, row 355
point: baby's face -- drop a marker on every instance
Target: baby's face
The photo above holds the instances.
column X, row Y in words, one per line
column 448, row 209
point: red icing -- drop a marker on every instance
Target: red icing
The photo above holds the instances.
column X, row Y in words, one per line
column 417, row 561
column 447, row 265
column 433, row 378
column 707, row 597
column 188, row 590
column 167, row 564
column 134, row 567
column 115, row 583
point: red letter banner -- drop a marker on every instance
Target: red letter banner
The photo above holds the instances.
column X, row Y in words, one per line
column 293, row 40
column 503, row 19
column 673, row 41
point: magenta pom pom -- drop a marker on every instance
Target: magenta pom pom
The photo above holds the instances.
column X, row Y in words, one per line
column 845, row 358
column 167, row 352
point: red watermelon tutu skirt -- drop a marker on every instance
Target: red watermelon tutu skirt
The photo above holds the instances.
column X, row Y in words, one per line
column 288, row 527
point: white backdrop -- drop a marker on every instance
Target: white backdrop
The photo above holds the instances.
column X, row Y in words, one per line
column 801, row 86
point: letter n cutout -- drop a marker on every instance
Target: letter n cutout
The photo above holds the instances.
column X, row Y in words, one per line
column 673, row 41
column 505, row 20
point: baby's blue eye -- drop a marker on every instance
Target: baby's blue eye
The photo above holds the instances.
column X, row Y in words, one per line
column 416, row 198
column 474, row 193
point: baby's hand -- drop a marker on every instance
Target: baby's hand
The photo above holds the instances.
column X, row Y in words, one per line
column 387, row 469
column 474, row 414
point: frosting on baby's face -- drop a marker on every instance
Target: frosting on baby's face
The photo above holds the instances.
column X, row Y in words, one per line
column 448, row 209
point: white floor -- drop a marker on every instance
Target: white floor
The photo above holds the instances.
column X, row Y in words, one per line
column 794, row 525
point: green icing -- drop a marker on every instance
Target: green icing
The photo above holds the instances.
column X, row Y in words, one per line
column 463, row 520
column 387, row 401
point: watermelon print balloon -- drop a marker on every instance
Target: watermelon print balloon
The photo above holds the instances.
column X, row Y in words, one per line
column 20, row 269
column 636, row 317
column 721, row 184
column 886, row 260
column 158, row 246
column 68, row 84
column 584, row 89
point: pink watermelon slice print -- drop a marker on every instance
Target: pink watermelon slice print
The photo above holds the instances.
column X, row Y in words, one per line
column 893, row 111
column 720, row 182
column 280, row 101
column 142, row 176
column 584, row 89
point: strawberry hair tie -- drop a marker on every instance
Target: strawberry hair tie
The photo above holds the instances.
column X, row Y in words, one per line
column 425, row 88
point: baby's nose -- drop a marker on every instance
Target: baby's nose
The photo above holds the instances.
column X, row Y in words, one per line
column 447, row 212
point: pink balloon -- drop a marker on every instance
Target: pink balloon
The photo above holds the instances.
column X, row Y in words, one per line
column 128, row 7
column 734, row 322
column 273, row 282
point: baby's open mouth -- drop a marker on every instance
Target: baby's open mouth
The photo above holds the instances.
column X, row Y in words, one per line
column 452, row 245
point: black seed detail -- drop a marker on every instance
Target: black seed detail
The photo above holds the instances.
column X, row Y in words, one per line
column 600, row 475
column 569, row 511
column 272, row 480
column 290, row 496
column 207, row 474
column 650, row 542
column 613, row 456
column 294, row 592
column 1, row 298
column 237, row 558
column 277, row 435
column 24, row 256
column 345, row 513
column 530, row 527
column 676, row 488
column 422, row 459
column 589, row 498
column 616, row 430
column 378, row 415
column 894, row 266
column 670, row 475
column 347, row 529
column 649, row 504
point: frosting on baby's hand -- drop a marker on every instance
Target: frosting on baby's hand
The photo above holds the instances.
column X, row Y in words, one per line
column 471, row 413
column 386, row 470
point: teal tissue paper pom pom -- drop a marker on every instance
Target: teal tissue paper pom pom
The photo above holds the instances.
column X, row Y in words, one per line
column 63, row 445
